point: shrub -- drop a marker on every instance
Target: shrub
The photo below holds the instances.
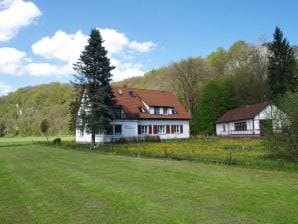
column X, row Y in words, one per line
column 57, row 141
column 283, row 143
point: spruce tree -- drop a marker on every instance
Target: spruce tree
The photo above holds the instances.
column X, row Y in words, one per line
column 93, row 79
column 281, row 77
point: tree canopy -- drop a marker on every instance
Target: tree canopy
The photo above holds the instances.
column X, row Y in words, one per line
column 282, row 66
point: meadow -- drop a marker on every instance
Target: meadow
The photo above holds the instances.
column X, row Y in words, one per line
column 237, row 152
column 42, row 183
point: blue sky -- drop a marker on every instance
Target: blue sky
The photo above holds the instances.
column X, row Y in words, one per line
column 40, row 39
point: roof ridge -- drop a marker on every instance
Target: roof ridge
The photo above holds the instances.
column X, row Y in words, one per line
column 143, row 89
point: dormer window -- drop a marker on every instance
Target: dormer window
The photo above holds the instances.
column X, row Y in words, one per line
column 156, row 110
column 174, row 110
column 132, row 93
column 165, row 111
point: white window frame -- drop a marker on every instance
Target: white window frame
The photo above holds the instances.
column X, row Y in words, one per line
column 176, row 129
column 156, row 110
column 161, row 129
column 114, row 129
column 165, row 111
column 144, row 129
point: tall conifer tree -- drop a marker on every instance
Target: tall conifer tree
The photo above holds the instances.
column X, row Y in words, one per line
column 93, row 79
column 281, row 66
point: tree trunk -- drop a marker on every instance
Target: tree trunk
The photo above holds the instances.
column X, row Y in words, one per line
column 92, row 141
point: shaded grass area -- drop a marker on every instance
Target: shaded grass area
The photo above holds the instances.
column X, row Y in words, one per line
column 44, row 184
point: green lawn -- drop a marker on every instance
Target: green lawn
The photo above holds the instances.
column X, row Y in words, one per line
column 43, row 184
column 30, row 139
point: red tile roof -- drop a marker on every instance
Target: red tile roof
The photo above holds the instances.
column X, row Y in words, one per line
column 131, row 104
column 242, row 113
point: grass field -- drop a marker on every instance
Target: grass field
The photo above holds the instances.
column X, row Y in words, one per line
column 44, row 184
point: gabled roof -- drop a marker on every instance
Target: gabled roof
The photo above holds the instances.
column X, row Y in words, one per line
column 242, row 113
column 132, row 104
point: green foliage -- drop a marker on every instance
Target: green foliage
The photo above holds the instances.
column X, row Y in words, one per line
column 215, row 100
column 23, row 111
column 93, row 79
column 217, row 61
column 44, row 126
column 283, row 142
column 188, row 77
column 2, row 129
column 282, row 65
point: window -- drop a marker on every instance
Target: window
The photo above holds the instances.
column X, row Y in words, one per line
column 224, row 128
column 161, row 129
column 174, row 111
column 114, row 129
column 165, row 111
column 81, row 133
column 118, row 129
column 132, row 93
column 117, row 111
column 176, row 129
column 240, row 126
column 144, row 129
column 156, row 110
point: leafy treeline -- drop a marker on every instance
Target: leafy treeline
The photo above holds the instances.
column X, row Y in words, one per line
column 23, row 111
column 241, row 75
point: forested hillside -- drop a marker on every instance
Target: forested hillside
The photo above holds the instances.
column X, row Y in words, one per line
column 22, row 112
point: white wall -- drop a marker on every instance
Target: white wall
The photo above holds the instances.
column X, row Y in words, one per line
column 230, row 126
column 130, row 129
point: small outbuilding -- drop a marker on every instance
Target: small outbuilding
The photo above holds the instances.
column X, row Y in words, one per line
column 247, row 121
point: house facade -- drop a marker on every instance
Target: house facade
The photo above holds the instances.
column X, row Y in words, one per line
column 142, row 113
column 251, row 120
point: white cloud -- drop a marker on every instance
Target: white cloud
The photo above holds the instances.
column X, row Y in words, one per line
column 114, row 41
column 61, row 50
column 62, row 46
column 47, row 69
column 15, row 14
column 142, row 47
column 11, row 60
column 124, row 70
column 4, row 88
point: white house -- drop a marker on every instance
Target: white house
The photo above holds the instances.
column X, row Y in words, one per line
column 142, row 112
column 250, row 120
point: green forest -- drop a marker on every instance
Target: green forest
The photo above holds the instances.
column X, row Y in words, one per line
column 207, row 87
column 22, row 112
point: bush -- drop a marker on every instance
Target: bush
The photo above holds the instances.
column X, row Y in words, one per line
column 283, row 142
column 2, row 129
column 57, row 141
column 146, row 138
